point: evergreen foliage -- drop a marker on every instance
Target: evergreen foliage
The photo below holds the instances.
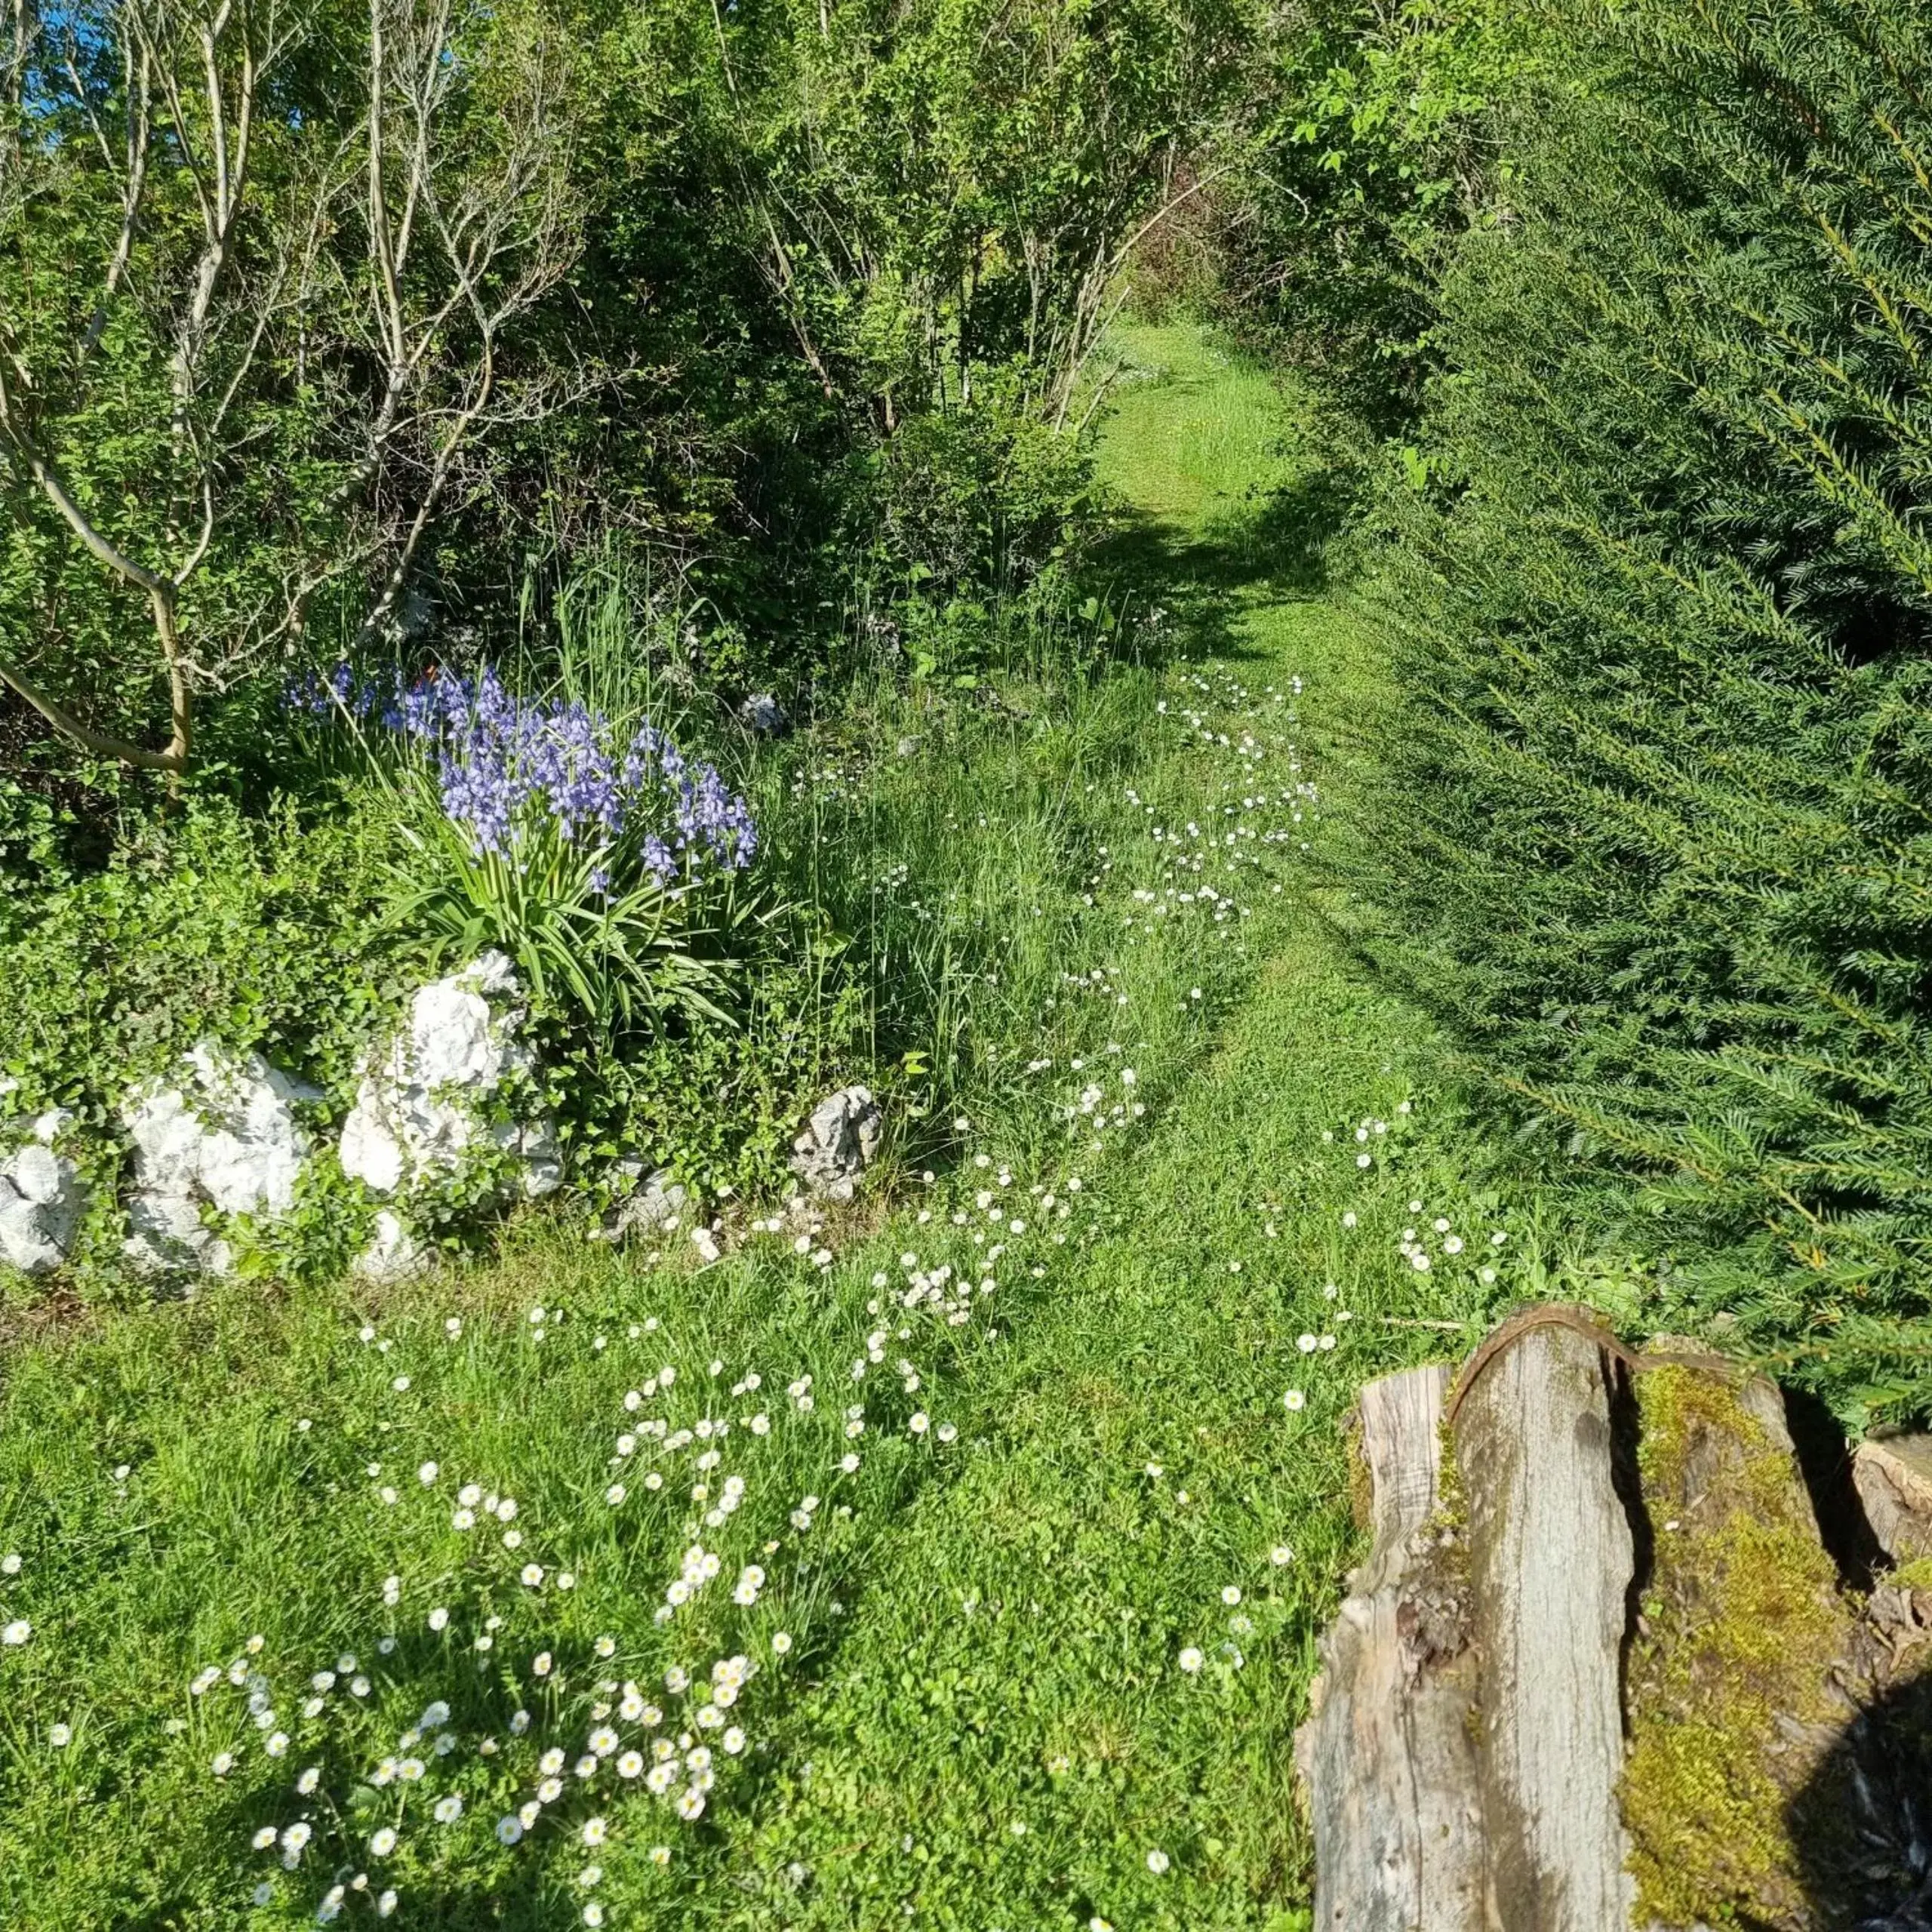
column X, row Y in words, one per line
column 1662, row 784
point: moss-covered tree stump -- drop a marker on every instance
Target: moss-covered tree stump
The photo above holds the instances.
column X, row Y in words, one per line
column 1620, row 1657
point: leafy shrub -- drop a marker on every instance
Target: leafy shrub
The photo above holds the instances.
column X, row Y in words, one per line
column 1385, row 153
column 976, row 498
column 1659, row 802
column 263, row 931
column 720, row 1104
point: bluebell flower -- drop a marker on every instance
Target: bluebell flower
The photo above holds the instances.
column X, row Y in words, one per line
column 504, row 765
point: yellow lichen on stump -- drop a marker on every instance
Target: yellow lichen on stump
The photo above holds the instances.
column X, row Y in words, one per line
column 1732, row 1716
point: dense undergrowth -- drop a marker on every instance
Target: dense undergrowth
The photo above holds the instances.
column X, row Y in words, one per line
column 871, row 936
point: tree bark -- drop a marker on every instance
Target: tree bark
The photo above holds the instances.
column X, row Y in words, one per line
column 1551, row 1559
column 1387, row 1752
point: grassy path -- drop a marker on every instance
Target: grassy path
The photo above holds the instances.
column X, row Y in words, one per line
column 1022, row 1632
column 1013, row 1736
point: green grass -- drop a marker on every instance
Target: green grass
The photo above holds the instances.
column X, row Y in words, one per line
column 982, row 1719
column 1196, row 429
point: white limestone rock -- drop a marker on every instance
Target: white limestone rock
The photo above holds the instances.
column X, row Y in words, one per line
column 763, row 716
column 659, row 1203
column 41, row 1199
column 394, row 1255
column 840, row 1141
column 166, row 1235
column 224, row 1135
column 421, row 1111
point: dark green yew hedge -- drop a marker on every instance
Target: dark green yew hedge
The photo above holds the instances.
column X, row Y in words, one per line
column 1663, row 597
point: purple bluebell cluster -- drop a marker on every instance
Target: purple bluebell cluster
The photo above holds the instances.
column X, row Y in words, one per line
column 340, row 691
column 500, row 757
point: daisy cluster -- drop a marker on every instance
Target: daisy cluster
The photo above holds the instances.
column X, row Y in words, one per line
column 1431, row 1242
column 831, row 780
column 476, row 1723
column 1257, row 820
column 481, row 1719
column 454, row 1782
column 530, row 1741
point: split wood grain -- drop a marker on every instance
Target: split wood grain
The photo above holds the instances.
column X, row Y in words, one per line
column 1551, row 1558
column 1388, row 1756
column 1893, row 1478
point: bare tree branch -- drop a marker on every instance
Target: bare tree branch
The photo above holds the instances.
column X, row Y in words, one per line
column 100, row 745
column 402, row 234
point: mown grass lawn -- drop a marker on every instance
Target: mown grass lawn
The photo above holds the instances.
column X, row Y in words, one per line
column 959, row 1564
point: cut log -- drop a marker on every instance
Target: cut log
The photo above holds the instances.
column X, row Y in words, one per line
column 1601, row 1670
column 1386, row 1757
column 1551, row 1558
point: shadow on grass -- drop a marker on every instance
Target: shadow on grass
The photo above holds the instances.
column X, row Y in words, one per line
column 1277, row 542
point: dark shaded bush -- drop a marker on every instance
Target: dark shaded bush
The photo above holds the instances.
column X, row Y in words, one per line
column 1383, row 151
column 1661, row 788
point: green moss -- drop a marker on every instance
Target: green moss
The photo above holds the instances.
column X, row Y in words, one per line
column 1452, row 1509
column 1361, row 1484
column 1744, row 1620
column 1916, row 1575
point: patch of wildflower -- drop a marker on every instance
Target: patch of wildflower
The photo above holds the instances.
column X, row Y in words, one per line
column 504, row 763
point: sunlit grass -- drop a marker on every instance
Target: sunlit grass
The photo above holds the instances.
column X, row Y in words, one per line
column 992, row 1677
